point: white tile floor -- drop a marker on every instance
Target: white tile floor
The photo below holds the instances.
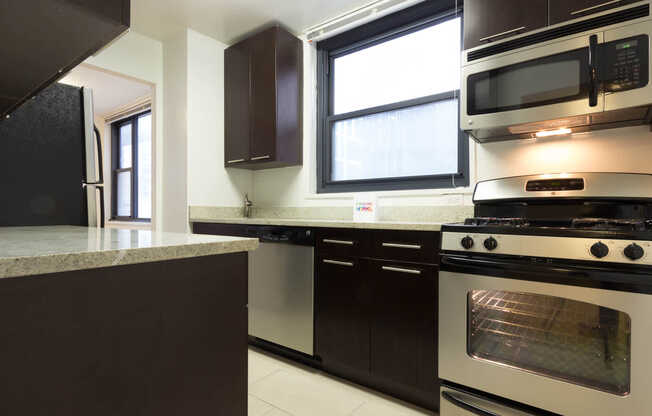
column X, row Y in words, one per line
column 279, row 387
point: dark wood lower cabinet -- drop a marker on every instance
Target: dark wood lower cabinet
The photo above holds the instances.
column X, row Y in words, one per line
column 376, row 320
column 161, row 339
column 403, row 324
column 342, row 326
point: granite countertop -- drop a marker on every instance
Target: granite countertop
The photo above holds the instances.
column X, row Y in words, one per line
column 26, row 251
column 377, row 225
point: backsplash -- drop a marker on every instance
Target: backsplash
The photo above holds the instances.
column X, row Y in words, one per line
column 439, row 214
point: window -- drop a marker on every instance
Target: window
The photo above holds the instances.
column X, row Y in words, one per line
column 131, row 163
column 389, row 104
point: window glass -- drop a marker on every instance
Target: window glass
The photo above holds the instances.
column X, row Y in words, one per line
column 125, row 146
column 418, row 64
column 578, row 342
column 559, row 78
column 145, row 166
column 124, row 193
column 413, row 141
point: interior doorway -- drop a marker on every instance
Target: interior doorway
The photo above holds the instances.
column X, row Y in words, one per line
column 124, row 114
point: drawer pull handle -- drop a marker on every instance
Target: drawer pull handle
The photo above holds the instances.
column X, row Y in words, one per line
column 401, row 270
column 341, row 242
column 396, row 245
column 235, row 161
column 502, row 33
column 597, row 6
column 339, row 263
column 261, row 157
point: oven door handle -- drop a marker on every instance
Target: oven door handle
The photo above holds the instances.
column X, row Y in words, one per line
column 466, row 406
column 594, row 85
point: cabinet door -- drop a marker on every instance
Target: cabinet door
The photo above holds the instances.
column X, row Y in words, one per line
column 487, row 21
column 263, row 96
column 44, row 39
column 341, row 303
column 236, row 105
column 404, row 323
column 562, row 10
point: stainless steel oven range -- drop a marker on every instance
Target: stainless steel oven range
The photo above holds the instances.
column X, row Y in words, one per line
column 545, row 298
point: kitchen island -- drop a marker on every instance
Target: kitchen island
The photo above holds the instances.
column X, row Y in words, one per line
column 122, row 322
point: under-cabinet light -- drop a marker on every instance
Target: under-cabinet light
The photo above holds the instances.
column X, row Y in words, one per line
column 558, row 132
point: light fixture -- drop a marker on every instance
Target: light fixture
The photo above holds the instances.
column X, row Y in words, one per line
column 557, row 132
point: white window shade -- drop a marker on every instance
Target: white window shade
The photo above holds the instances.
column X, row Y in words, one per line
column 356, row 17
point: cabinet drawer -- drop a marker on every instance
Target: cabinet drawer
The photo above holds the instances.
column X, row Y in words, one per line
column 342, row 242
column 412, row 246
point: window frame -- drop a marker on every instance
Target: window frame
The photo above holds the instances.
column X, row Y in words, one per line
column 115, row 166
column 384, row 29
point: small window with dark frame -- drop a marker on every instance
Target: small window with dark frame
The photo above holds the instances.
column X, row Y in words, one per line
column 131, row 164
column 389, row 104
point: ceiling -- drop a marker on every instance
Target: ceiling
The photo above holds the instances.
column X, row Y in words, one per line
column 230, row 20
column 110, row 92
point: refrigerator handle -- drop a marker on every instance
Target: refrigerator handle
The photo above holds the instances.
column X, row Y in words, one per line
column 101, row 198
column 100, row 162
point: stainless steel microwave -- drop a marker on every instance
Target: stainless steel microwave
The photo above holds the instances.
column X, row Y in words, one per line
column 587, row 74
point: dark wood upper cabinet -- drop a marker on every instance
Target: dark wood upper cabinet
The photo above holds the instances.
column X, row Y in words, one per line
column 44, row 39
column 563, row 10
column 263, row 77
column 236, row 95
column 487, row 21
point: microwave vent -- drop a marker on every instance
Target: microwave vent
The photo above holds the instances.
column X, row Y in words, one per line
column 560, row 32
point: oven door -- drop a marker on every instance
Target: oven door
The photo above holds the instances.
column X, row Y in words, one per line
column 549, row 82
column 566, row 349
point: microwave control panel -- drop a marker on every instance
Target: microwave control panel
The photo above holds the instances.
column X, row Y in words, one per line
column 625, row 64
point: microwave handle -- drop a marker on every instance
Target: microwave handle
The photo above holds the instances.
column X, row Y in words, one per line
column 593, row 71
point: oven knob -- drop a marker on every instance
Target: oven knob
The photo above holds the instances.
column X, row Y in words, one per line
column 467, row 242
column 490, row 243
column 634, row 251
column 599, row 249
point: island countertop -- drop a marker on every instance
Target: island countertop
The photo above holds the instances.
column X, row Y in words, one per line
column 26, row 251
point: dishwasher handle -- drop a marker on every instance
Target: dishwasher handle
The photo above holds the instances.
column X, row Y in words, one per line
column 285, row 235
column 274, row 238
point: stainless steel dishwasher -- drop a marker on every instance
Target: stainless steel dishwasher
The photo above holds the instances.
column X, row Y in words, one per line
column 281, row 287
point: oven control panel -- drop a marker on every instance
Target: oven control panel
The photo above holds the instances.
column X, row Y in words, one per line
column 569, row 248
column 625, row 64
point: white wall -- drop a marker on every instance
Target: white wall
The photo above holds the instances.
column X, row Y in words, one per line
column 175, row 183
column 617, row 150
column 141, row 57
column 209, row 183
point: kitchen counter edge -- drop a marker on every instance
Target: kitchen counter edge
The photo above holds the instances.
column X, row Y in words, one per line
column 97, row 253
column 377, row 225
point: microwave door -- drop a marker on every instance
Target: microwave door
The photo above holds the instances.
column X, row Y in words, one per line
column 547, row 82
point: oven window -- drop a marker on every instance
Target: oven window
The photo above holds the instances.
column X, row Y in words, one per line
column 550, row 80
column 578, row 342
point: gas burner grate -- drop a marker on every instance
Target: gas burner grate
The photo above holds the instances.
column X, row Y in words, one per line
column 498, row 222
column 611, row 224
